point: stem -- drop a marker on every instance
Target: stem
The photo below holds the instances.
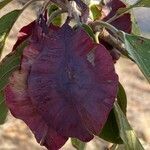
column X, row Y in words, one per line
column 97, row 37
column 114, row 42
column 106, row 36
column 106, row 25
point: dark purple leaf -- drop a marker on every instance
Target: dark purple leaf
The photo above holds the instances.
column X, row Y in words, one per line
column 24, row 33
column 122, row 23
column 58, row 92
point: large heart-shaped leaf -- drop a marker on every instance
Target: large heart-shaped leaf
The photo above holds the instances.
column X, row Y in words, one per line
column 79, row 145
column 3, row 108
column 126, row 132
column 4, row 3
column 139, row 50
column 62, row 82
column 6, row 23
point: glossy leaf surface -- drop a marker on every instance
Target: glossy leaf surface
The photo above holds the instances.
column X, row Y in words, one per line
column 139, row 50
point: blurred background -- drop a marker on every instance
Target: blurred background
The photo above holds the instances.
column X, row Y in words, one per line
column 15, row 135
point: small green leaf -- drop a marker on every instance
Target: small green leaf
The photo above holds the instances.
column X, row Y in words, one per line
column 139, row 50
column 95, row 11
column 110, row 131
column 89, row 31
column 126, row 132
column 4, row 3
column 51, row 9
column 6, row 23
column 122, row 98
column 79, row 145
column 9, row 64
column 3, row 108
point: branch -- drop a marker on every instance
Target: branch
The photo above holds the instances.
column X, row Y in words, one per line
column 98, row 25
column 116, row 43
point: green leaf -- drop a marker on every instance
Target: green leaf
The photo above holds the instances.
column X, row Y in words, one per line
column 57, row 20
column 79, row 145
column 89, row 31
column 110, row 131
column 4, row 3
column 135, row 27
column 6, row 23
column 3, row 108
column 122, row 98
column 139, row 3
column 126, row 132
column 95, row 11
column 10, row 63
column 139, row 50
column 142, row 3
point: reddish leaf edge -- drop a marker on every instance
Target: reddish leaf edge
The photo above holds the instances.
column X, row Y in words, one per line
column 26, row 30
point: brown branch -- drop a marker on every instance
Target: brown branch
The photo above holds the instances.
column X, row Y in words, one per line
column 116, row 43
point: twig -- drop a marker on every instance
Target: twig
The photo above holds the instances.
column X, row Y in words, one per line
column 107, row 37
column 97, row 25
column 114, row 42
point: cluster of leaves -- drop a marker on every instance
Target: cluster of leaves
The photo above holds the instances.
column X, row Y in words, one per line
column 74, row 70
